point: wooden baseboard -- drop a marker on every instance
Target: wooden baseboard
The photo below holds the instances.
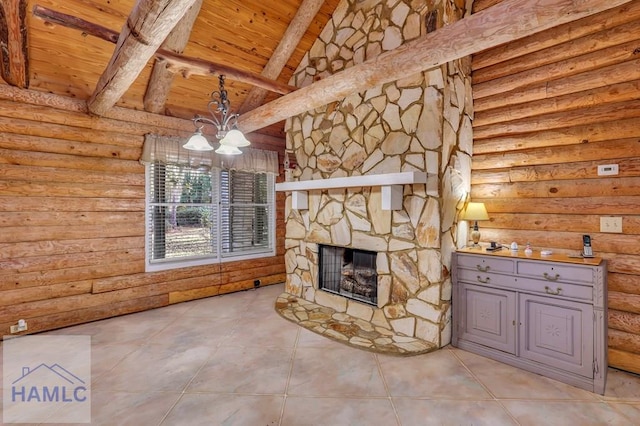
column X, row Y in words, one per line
column 214, row 290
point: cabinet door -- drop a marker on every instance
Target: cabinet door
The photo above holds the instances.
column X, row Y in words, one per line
column 557, row 333
column 488, row 317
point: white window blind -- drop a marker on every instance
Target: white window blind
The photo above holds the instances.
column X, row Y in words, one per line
column 199, row 216
column 182, row 213
column 246, row 209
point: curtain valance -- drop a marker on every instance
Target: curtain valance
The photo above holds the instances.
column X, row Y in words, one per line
column 169, row 150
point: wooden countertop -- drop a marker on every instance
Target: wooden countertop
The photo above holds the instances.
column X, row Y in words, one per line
column 507, row 252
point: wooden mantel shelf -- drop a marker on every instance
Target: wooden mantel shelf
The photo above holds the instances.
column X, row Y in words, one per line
column 401, row 178
column 391, row 184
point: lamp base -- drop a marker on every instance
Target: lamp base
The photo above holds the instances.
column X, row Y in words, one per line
column 475, row 237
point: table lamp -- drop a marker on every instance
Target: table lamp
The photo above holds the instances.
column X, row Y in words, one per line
column 475, row 212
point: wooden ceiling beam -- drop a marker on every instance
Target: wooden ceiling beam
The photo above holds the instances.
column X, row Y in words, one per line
column 146, row 28
column 505, row 22
column 14, row 58
column 53, row 17
column 195, row 66
column 281, row 55
column 159, row 84
column 178, row 63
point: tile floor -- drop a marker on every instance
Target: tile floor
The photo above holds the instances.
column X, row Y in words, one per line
column 231, row 360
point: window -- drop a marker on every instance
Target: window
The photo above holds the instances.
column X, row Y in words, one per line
column 201, row 216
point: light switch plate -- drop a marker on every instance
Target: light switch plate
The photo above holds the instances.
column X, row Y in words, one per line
column 611, row 224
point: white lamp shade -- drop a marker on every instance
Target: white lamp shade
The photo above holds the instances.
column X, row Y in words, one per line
column 197, row 142
column 234, row 137
column 475, row 211
column 228, row 150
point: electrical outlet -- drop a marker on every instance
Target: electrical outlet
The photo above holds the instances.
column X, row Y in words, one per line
column 611, row 224
column 607, row 169
column 19, row 327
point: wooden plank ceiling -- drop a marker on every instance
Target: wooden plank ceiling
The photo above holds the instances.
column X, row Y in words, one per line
column 243, row 35
column 240, row 34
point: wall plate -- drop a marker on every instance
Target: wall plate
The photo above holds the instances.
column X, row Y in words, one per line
column 607, row 169
column 611, row 224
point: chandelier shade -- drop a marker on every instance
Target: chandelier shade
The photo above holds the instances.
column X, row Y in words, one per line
column 197, row 142
column 228, row 150
column 225, row 123
column 234, row 137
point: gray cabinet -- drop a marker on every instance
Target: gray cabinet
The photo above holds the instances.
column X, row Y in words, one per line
column 545, row 315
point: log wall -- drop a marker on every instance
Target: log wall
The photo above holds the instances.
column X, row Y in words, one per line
column 549, row 109
column 72, row 200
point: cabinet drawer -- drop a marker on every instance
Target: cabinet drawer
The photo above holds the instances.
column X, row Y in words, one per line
column 553, row 272
column 557, row 289
column 531, row 285
column 485, row 278
column 486, row 264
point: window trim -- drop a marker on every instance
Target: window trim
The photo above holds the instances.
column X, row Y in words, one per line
column 219, row 257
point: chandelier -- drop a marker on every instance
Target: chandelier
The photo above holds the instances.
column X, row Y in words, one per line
column 226, row 124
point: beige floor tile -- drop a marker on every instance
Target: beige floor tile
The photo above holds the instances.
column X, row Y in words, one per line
column 105, row 357
column 548, row 413
column 164, row 313
column 264, row 297
column 630, row 411
column 155, row 368
column 255, row 370
column 342, row 371
column 260, row 309
column 228, row 410
column 452, row 412
column 13, row 416
column 309, row 339
column 437, row 374
column 300, row 411
column 272, row 330
column 128, row 328
column 622, row 386
column 266, row 294
column 187, row 332
column 505, row 381
column 225, row 306
column 237, row 359
column 177, row 309
column 130, row 409
column 272, row 290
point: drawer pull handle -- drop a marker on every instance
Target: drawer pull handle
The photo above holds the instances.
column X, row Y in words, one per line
column 549, row 291
column 550, row 278
column 486, row 280
column 483, row 268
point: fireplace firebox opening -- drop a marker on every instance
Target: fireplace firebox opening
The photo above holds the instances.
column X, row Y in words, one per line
column 349, row 272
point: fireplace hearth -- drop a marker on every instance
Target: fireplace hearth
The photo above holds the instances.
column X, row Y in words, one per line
column 349, row 272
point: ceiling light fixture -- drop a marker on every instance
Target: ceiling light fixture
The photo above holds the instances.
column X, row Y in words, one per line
column 226, row 124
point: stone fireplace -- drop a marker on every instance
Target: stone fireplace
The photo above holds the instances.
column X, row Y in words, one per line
column 420, row 124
